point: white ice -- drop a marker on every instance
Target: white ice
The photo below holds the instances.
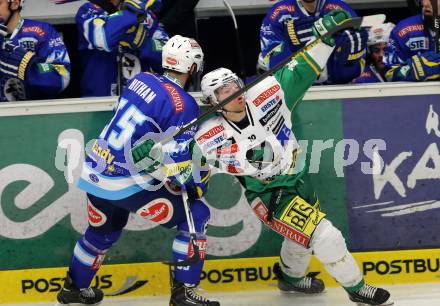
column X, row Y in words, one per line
column 403, row 295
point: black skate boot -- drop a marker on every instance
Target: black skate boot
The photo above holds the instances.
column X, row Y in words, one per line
column 70, row 295
column 182, row 295
column 309, row 284
column 369, row 295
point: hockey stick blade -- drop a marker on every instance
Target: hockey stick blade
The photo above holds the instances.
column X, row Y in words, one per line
column 194, row 259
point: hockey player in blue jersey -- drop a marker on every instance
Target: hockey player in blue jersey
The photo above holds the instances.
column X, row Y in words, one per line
column 287, row 28
column 151, row 104
column 117, row 40
column 34, row 63
column 378, row 39
column 411, row 53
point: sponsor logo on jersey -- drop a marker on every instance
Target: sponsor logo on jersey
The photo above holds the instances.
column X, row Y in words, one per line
column 96, row 217
column 142, row 90
column 103, row 154
column 279, row 9
column 55, row 42
column 411, row 28
column 228, row 150
column 34, row 29
column 283, row 229
column 28, row 43
column 264, row 120
column 284, row 134
column 176, row 97
column 159, row 211
column 232, row 169
column 231, row 162
column 266, row 30
column 268, row 105
column 266, row 94
column 94, row 178
column 278, row 126
column 417, row 43
column 211, row 133
column 215, row 141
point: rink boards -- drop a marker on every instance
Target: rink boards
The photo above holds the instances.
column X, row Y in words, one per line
column 151, row 279
column 43, row 213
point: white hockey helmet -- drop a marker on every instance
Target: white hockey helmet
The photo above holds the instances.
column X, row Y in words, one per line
column 380, row 33
column 214, row 80
column 180, row 53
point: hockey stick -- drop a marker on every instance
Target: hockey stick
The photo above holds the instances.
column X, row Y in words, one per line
column 195, row 257
column 142, row 150
column 237, row 39
column 436, row 20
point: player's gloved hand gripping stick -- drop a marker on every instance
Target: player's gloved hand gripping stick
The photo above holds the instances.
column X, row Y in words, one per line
column 147, row 153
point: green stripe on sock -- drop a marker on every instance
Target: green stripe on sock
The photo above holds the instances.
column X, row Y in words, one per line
column 290, row 279
column 355, row 287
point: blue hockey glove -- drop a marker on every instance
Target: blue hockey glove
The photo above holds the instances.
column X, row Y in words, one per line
column 423, row 67
column 135, row 37
column 327, row 23
column 15, row 61
column 138, row 6
column 351, row 46
column 300, row 30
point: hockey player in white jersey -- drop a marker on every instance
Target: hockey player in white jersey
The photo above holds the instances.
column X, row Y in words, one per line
column 252, row 138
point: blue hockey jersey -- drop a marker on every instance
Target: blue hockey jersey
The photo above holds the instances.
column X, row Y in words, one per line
column 409, row 37
column 151, row 105
column 369, row 75
column 100, row 34
column 49, row 75
column 277, row 44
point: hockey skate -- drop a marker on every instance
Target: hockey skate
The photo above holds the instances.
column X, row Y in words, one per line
column 369, row 295
column 70, row 295
column 182, row 295
column 309, row 284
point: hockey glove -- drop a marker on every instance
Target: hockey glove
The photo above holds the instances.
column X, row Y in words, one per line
column 134, row 37
column 146, row 156
column 327, row 23
column 351, row 46
column 423, row 67
column 138, row 6
column 300, row 30
column 15, row 61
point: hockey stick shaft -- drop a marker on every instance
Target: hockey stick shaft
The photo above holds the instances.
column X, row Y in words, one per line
column 195, row 257
column 237, row 39
column 436, row 19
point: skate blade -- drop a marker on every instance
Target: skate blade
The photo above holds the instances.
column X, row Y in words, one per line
column 302, row 293
column 387, row 303
column 76, row 304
